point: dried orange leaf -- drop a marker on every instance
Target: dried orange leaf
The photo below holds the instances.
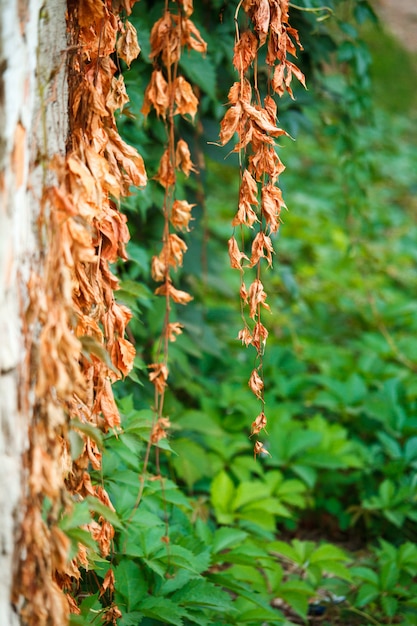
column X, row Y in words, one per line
column 245, row 51
column 257, row 296
column 186, row 102
column 183, row 158
column 262, row 248
column 236, row 256
column 156, row 95
column 230, row 123
column 127, row 45
column 181, row 214
column 256, row 384
column 258, row 424
column 158, row 376
column 178, row 296
column 259, row 449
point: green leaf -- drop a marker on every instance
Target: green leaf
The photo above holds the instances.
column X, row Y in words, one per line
column 297, row 594
column 247, row 492
column 366, row 594
column 222, row 492
column 92, row 346
column 202, row 593
column 388, row 575
column 389, row 605
column 200, row 70
column 130, row 583
column 365, row 573
column 88, row 429
column 130, row 619
column 164, row 610
column 99, row 507
column 328, row 552
column 227, row 537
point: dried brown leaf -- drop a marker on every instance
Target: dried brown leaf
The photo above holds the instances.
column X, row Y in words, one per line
column 245, row 336
column 186, row 102
column 181, row 214
column 126, row 355
column 259, row 337
column 262, row 248
column 258, row 424
column 256, row 385
column 156, row 95
column 230, row 122
column 178, row 296
column 272, row 204
column 159, row 430
column 235, row 255
column 158, row 376
column 117, row 97
column 183, row 158
column 127, row 45
column 166, row 172
column 174, row 329
column 245, row 51
column 257, row 296
column 259, row 449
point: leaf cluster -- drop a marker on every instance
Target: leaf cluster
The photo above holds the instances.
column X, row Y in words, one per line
column 323, row 530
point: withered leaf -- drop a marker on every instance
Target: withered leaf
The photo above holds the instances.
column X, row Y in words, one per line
column 236, row 256
column 186, row 102
column 156, row 95
column 272, row 204
column 178, row 296
column 256, row 385
column 166, row 173
column 262, row 248
column 117, row 97
column 174, row 329
column 259, row 336
column 158, row 376
column 127, row 45
column 258, row 424
column 108, row 405
column 183, row 158
column 230, row 123
column 159, row 430
column 191, row 37
column 261, row 118
column 187, row 7
column 108, row 582
column 245, row 51
column 261, row 16
column 245, row 215
column 90, row 11
column 257, row 296
column 245, row 336
column 240, row 91
column 176, row 248
column 127, row 354
column 181, row 214
column 158, row 268
column 259, row 449
column 249, row 188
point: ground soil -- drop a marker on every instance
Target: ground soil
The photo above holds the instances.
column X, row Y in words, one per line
column 399, row 17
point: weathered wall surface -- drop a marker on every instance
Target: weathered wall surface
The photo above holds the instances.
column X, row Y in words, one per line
column 32, row 126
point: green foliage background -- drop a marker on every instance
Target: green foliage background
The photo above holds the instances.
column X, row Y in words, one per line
column 323, row 530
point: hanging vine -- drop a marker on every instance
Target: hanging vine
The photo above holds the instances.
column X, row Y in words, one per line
column 254, row 119
column 171, row 95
